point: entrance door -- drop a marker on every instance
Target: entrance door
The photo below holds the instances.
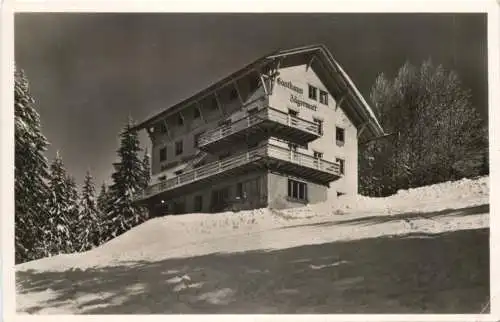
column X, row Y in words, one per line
column 220, row 199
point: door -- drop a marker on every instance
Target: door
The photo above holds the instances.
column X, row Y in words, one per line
column 220, row 199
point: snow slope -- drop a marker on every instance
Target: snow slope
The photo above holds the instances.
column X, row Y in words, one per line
column 200, row 234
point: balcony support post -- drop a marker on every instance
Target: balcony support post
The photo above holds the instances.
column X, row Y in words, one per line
column 262, row 81
column 235, row 84
column 199, row 107
column 219, row 105
column 363, row 127
column 167, row 128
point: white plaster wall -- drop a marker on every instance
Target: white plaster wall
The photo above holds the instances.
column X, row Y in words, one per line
column 332, row 116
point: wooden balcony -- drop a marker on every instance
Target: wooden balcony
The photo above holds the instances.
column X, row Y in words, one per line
column 264, row 123
column 268, row 156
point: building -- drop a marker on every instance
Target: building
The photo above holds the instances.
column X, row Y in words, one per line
column 280, row 132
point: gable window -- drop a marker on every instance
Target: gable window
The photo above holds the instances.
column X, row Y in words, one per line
column 196, row 113
column 323, row 97
column 320, row 125
column 233, row 94
column 178, row 148
column 297, row 190
column 339, row 136
column 341, row 163
column 198, row 203
column 313, row 93
column 163, row 154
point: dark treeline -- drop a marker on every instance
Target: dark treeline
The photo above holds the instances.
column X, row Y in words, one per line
column 51, row 216
column 434, row 134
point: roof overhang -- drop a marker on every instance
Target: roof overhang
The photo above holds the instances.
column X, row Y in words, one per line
column 356, row 105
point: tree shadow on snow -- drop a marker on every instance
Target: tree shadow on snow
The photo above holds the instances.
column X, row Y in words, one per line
column 448, row 273
column 381, row 219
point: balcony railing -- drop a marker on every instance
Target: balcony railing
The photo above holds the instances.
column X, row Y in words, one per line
column 269, row 151
column 266, row 114
column 302, row 159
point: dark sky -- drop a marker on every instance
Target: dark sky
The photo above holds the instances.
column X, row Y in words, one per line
column 88, row 72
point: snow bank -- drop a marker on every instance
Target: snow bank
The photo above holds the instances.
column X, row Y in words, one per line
column 198, row 234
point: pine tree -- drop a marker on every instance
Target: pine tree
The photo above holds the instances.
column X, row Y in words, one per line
column 128, row 180
column 102, row 199
column 146, row 168
column 31, row 172
column 59, row 224
column 73, row 210
column 436, row 133
column 89, row 224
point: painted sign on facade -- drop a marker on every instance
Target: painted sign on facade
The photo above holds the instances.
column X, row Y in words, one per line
column 296, row 99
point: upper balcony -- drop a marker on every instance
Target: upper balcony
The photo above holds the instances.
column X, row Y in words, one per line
column 266, row 156
column 263, row 123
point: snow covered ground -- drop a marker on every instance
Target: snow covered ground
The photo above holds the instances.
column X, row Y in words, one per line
column 339, row 219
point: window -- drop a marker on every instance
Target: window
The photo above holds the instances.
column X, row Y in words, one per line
column 323, row 97
column 313, row 93
column 340, row 193
column 297, row 190
column 178, row 172
column 233, row 94
column 340, row 136
column 239, row 190
column 253, row 144
column 224, row 155
column 198, row 203
column 196, row 139
column 341, row 163
column 180, row 119
column 178, row 148
column 320, row 125
column 196, row 113
column 293, row 112
column 318, row 155
column 163, row 154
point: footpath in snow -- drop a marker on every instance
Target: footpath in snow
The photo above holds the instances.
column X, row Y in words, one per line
column 343, row 218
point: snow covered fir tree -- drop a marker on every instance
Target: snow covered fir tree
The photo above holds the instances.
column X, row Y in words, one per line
column 128, row 180
column 31, row 172
column 51, row 216
column 61, row 219
column 89, row 220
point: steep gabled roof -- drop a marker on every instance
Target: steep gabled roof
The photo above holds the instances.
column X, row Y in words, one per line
column 336, row 78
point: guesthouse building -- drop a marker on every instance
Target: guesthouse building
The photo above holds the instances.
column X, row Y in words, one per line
column 280, row 132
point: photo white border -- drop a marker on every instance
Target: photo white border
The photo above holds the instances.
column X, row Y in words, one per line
column 7, row 129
